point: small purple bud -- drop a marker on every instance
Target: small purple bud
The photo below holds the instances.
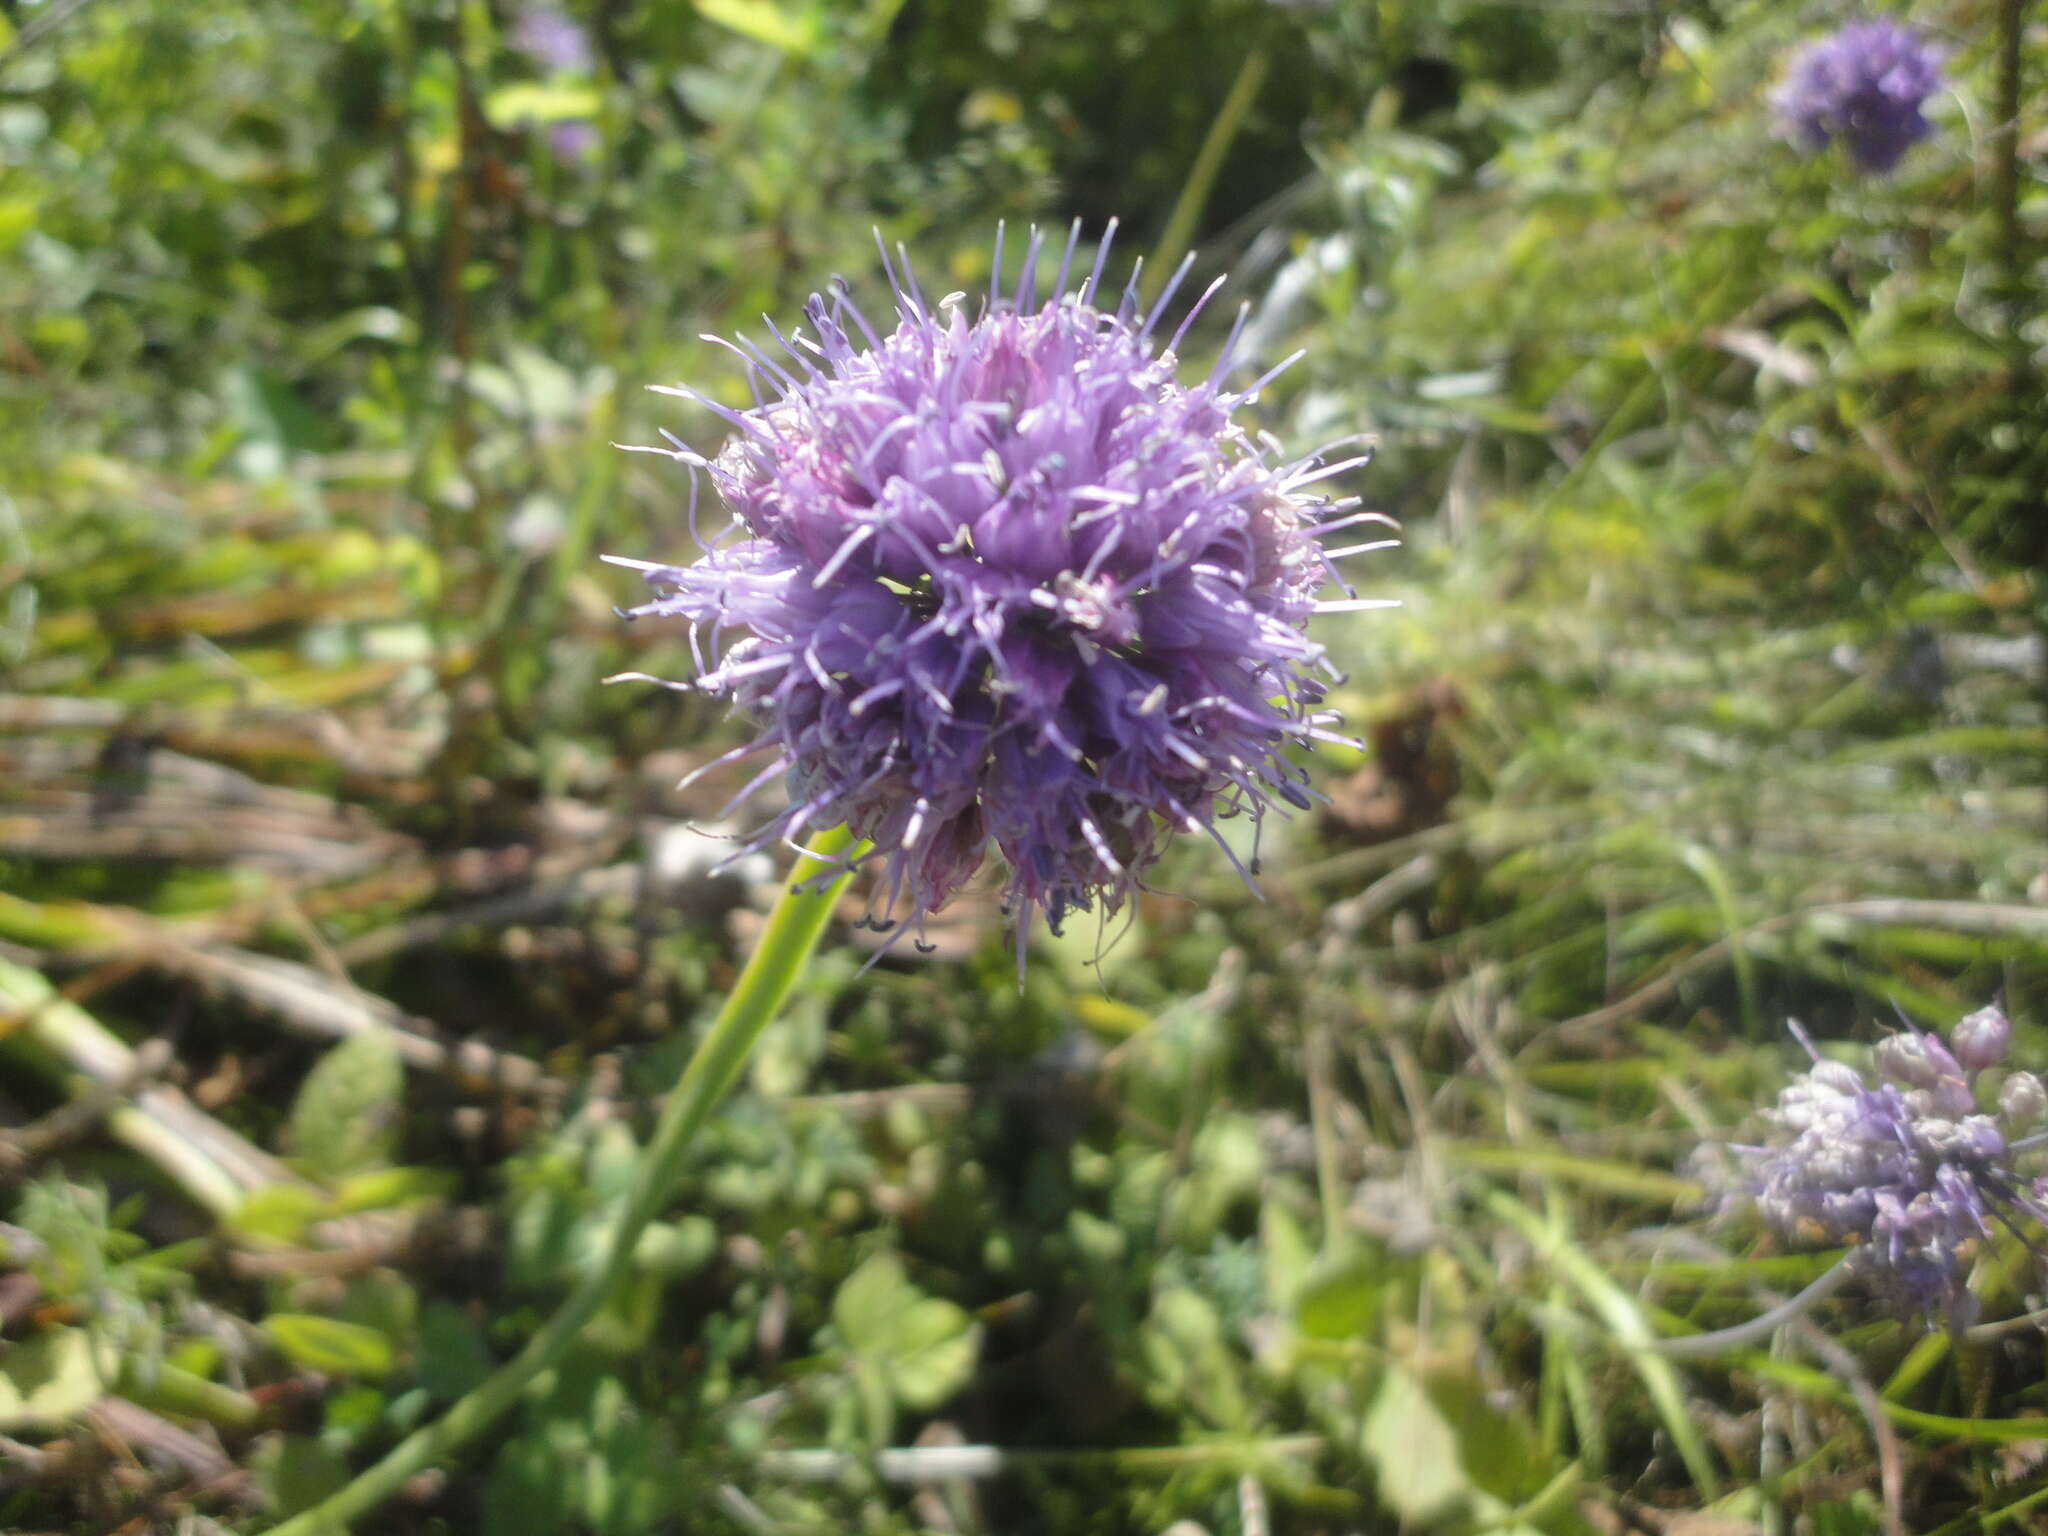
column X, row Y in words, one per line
column 1981, row 1039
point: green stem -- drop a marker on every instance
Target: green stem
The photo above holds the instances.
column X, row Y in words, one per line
column 792, row 932
column 1194, row 192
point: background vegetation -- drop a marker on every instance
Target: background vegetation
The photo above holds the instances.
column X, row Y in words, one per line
column 347, row 923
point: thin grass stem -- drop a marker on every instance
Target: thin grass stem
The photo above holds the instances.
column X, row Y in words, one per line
column 1194, row 192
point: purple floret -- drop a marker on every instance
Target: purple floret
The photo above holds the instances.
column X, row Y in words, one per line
column 1005, row 581
column 1864, row 85
column 552, row 39
column 1908, row 1174
column 573, row 140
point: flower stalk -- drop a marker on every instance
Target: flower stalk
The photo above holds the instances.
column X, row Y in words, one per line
column 792, row 933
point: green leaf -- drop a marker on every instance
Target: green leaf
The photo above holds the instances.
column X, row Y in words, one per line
column 1192, row 1366
column 1413, row 1451
column 670, row 1250
column 48, row 1380
column 298, row 1471
column 924, row 1348
column 383, row 1300
column 529, row 1490
column 1287, row 1256
column 764, row 23
column 537, row 102
column 452, row 1354
column 1500, row 1451
column 1340, row 1295
column 324, row 1344
column 346, row 1118
column 383, row 1189
column 280, row 1211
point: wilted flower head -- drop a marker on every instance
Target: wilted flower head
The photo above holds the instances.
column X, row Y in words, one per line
column 1908, row 1173
column 1007, row 580
column 1863, row 85
column 553, row 40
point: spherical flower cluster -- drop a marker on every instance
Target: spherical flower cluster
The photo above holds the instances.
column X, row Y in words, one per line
column 1908, row 1173
column 1008, row 581
column 1863, row 85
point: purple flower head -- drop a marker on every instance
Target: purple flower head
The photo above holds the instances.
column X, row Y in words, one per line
column 1864, row 85
column 1906, row 1173
column 553, row 40
column 1008, row 582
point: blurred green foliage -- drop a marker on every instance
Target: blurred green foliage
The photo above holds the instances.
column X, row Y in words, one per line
column 1721, row 472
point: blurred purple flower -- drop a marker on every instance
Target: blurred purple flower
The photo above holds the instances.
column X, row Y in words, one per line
column 553, row 40
column 1005, row 580
column 573, row 141
column 1907, row 1173
column 1864, row 85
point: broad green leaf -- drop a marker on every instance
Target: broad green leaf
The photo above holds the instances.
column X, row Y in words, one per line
column 452, row 1354
column 1413, row 1451
column 345, row 1120
column 384, row 1188
column 534, row 101
column 935, row 1347
column 1340, row 1295
column 325, row 1344
column 669, row 1250
column 924, row 1348
column 1192, row 1366
column 1500, row 1451
column 48, row 1380
column 764, row 23
column 280, row 1211
column 529, row 1489
column 298, row 1471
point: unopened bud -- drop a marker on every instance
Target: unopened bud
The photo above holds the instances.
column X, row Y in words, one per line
column 1912, row 1060
column 2022, row 1099
column 1836, row 1077
column 1980, row 1039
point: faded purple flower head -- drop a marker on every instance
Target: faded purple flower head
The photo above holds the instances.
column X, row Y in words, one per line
column 1908, row 1173
column 553, row 40
column 1863, row 85
column 1008, row 581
